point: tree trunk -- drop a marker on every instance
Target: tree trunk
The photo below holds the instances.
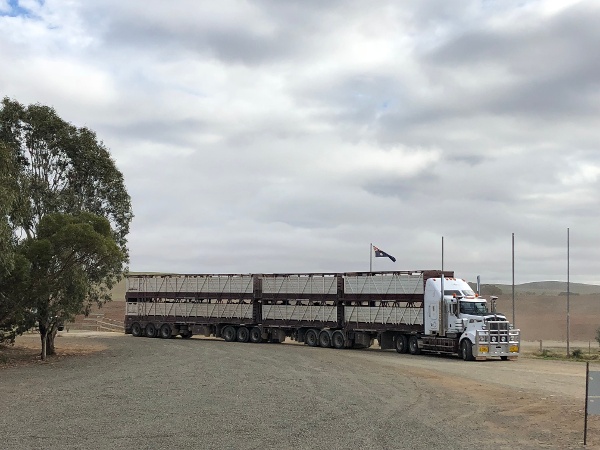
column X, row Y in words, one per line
column 44, row 338
column 50, row 350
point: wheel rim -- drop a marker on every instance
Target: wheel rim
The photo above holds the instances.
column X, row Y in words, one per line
column 243, row 334
column 229, row 334
column 338, row 340
column 136, row 329
column 311, row 338
column 401, row 344
column 150, row 330
column 255, row 335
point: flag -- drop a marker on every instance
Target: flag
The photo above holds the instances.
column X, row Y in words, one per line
column 382, row 254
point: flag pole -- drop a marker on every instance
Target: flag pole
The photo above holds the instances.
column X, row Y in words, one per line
column 371, row 257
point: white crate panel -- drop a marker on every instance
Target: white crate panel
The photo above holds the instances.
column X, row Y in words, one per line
column 299, row 285
column 384, row 315
column 200, row 284
column 205, row 310
column 311, row 313
column 393, row 283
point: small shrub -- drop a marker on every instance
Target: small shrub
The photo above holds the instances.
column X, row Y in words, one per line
column 577, row 353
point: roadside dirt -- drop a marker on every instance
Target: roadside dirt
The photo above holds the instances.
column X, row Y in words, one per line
column 527, row 403
column 26, row 349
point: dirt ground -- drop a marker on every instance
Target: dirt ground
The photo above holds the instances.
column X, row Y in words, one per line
column 538, row 403
column 389, row 400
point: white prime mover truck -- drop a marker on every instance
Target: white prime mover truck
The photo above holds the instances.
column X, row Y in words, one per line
column 410, row 311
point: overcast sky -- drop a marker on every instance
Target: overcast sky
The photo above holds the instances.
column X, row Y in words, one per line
column 284, row 136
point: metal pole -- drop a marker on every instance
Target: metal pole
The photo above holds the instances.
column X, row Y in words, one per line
column 442, row 253
column 587, row 378
column 513, row 279
column 568, row 293
column 371, row 257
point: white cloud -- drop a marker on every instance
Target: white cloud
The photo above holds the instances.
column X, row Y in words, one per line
column 281, row 136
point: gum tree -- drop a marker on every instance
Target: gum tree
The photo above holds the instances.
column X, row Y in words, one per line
column 66, row 170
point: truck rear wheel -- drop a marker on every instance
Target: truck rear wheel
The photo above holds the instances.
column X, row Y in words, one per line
column 466, row 350
column 325, row 339
column 338, row 340
column 165, row 331
column 255, row 335
column 243, row 334
column 229, row 334
column 413, row 345
column 311, row 338
column 401, row 344
column 150, row 330
column 136, row 329
column 186, row 334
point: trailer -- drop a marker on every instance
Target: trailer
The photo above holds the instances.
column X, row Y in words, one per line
column 409, row 311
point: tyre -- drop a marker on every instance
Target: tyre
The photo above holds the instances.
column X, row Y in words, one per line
column 255, row 335
column 413, row 345
column 150, row 330
column 136, row 329
column 338, row 340
column 402, row 343
column 312, row 338
column 229, row 334
column 243, row 334
column 466, row 350
column 165, row 331
column 325, row 339
column 186, row 334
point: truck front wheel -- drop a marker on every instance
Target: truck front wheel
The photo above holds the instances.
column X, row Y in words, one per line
column 413, row 345
column 466, row 350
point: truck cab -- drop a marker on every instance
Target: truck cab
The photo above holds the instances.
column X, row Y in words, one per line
column 462, row 315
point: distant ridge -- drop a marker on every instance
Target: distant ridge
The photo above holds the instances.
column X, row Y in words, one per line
column 542, row 288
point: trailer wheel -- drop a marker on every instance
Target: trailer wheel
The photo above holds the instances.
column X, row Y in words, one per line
column 325, row 339
column 229, row 334
column 165, row 331
column 186, row 334
column 311, row 338
column 243, row 334
column 402, row 344
column 255, row 335
column 466, row 350
column 338, row 340
column 150, row 330
column 136, row 329
column 413, row 345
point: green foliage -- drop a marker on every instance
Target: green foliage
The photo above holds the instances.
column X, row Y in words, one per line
column 61, row 168
column 577, row 353
column 64, row 218
column 73, row 262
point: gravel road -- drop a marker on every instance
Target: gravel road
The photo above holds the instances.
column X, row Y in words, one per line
column 140, row 393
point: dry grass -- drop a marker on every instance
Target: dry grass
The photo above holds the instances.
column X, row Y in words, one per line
column 27, row 348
